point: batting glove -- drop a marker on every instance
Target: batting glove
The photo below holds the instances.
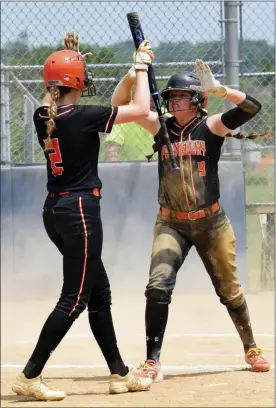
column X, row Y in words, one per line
column 207, row 80
column 143, row 57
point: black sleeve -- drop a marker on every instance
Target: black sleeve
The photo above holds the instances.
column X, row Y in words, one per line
column 39, row 122
column 98, row 118
column 241, row 114
column 212, row 137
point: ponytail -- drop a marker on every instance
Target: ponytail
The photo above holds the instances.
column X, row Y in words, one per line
column 52, row 112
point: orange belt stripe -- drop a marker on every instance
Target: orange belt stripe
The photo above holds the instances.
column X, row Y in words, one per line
column 192, row 215
column 95, row 192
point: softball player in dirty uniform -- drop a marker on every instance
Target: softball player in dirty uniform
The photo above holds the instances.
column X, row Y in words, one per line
column 69, row 136
column 190, row 213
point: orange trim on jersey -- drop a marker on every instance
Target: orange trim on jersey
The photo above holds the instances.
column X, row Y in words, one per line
column 60, row 106
column 62, row 113
column 183, row 182
column 191, row 171
column 176, row 134
column 181, row 164
column 65, row 106
column 85, row 255
column 106, row 128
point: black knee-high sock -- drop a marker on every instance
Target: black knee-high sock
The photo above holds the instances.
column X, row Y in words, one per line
column 241, row 320
column 53, row 331
column 156, row 321
column 102, row 327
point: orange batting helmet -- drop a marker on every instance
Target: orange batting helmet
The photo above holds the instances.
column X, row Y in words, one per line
column 67, row 68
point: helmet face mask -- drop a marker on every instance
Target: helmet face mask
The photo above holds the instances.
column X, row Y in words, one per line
column 178, row 103
column 90, row 89
column 181, row 82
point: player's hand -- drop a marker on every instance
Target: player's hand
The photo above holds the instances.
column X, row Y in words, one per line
column 71, row 42
column 207, row 80
column 143, row 57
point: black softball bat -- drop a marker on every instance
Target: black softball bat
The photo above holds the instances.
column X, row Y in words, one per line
column 138, row 38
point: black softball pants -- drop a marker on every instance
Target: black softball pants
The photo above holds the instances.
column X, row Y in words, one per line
column 73, row 222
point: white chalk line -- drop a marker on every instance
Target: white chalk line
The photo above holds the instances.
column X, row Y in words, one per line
column 217, row 385
column 173, row 335
column 215, row 355
column 216, row 335
column 204, row 367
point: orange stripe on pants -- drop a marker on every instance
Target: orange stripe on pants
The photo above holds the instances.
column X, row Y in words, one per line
column 85, row 255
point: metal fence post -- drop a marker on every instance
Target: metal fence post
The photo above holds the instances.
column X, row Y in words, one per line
column 29, row 131
column 5, row 118
column 231, row 48
column 3, row 115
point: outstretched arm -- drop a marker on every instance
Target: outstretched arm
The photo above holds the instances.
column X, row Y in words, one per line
column 221, row 124
column 122, row 95
column 139, row 108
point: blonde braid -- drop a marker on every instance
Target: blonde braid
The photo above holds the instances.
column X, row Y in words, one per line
column 71, row 41
column 52, row 112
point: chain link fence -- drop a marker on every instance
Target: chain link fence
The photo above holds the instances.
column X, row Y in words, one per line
column 179, row 33
column 257, row 77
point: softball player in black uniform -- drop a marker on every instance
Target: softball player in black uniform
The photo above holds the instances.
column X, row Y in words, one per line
column 68, row 133
column 190, row 213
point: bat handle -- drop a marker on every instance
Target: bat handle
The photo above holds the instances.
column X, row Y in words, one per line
column 174, row 165
column 173, row 161
column 138, row 37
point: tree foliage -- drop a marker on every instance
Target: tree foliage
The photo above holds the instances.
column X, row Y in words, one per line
column 257, row 56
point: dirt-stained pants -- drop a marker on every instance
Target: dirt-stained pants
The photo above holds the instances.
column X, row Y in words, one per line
column 214, row 240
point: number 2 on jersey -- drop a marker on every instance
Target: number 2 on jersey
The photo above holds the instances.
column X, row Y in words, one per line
column 201, row 169
column 55, row 158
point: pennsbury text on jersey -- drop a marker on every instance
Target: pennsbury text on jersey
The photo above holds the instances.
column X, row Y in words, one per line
column 185, row 148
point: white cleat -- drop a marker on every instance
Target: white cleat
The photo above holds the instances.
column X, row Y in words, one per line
column 128, row 383
column 149, row 368
column 36, row 388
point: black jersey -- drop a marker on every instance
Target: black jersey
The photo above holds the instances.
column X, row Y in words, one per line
column 72, row 164
column 197, row 151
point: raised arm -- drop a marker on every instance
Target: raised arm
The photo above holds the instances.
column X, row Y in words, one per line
column 122, row 95
column 222, row 123
column 140, row 106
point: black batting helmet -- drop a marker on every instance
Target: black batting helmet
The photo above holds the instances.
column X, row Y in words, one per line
column 182, row 81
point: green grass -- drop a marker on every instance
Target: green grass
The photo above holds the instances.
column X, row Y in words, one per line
column 259, row 194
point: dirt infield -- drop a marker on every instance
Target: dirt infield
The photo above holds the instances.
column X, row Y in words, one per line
column 202, row 355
